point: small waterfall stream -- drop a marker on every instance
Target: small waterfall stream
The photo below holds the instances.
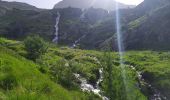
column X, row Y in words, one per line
column 85, row 86
column 82, row 18
column 156, row 95
column 75, row 44
column 55, row 40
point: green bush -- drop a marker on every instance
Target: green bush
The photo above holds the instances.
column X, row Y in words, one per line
column 8, row 82
column 35, row 47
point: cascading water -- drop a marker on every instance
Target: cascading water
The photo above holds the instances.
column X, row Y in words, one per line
column 77, row 41
column 156, row 95
column 82, row 18
column 85, row 86
column 55, row 40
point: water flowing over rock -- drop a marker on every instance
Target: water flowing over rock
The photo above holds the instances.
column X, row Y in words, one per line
column 55, row 40
column 85, row 86
column 156, row 94
column 75, row 44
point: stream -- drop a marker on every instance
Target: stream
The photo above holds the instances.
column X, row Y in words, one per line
column 75, row 44
column 85, row 86
column 156, row 94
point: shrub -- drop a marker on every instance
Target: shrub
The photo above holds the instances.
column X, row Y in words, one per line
column 8, row 82
column 35, row 47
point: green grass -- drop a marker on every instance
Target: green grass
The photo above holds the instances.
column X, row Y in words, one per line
column 136, row 23
column 29, row 82
column 77, row 61
column 51, row 76
column 155, row 67
column 20, row 79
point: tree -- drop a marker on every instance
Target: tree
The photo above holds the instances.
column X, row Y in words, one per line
column 35, row 47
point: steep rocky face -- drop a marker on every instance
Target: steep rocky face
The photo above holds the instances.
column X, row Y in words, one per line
column 84, row 4
column 14, row 18
column 17, row 23
column 96, row 25
column 152, row 33
column 70, row 26
column 146, row 27
column 148, row 6
column 84, row 25
column 150, row 30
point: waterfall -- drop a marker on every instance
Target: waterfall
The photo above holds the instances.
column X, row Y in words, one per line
column 77, row 41
column 82, row 16
column 85, row 86
column 156, row 94
column 55, row 40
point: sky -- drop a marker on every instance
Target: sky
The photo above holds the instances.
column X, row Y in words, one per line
column 48, row 4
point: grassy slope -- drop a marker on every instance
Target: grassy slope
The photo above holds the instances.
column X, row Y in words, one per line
column 154, row 65
column 29, row 81
column 84, row 63
column 21, row 79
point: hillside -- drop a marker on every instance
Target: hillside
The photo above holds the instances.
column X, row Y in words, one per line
column 146, row 27
column 21, row 78
column 83, row 63
column 140, row 26
column 152, row 29
column 16, row 5
column 153, row 66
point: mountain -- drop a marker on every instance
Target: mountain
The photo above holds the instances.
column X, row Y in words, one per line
column 143, row 27
column 150, row 31
column 146, row 27
column 62, row 72
column 84, row 4
column 24, row 79
column 16, row 5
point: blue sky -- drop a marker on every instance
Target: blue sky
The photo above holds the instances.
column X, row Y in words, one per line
column 50, row 3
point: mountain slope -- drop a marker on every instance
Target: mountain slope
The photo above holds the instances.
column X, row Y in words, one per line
column 61, row 63
column 16, row 5
column 152, row 32
column 84, row 4
column 58, row 66
column 94, row 28
column 22, row 79
column 146, row 27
